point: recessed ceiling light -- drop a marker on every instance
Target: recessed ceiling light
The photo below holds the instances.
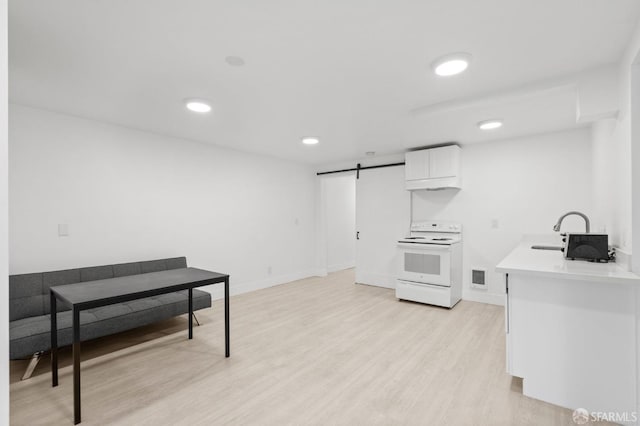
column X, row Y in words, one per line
column 197, row 105
column 452, row 64
column 310, row 140
column 234, row 61
column 370, row 153
column 490, row 124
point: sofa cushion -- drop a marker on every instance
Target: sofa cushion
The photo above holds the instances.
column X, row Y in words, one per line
column 25, row 285
column 25, row 296
column 126, row 269
column 67, row 276
column 31, row 335
column 24, row 307
column 95, row 273
column 153, row 266
column 176, row 263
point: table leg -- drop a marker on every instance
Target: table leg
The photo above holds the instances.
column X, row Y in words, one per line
column 226, row 318
column 76, row 365
column 190, row 313
column 54, row 339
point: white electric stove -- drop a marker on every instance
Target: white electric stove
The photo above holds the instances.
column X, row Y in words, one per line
column 430, row 269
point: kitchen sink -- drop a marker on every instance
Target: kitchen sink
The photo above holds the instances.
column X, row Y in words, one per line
column 558, row 248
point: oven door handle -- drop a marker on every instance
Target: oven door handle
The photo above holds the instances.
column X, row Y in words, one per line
column 425, row 247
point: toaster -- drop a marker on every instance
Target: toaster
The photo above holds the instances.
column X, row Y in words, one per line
column 592, row 247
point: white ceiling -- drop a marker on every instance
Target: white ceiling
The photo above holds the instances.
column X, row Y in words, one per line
column 355, row 73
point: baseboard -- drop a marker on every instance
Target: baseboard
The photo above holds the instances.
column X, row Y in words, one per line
column 483, row 297
column 320, row 272
column 377, row 280
column 217, row 292
column 340, row 266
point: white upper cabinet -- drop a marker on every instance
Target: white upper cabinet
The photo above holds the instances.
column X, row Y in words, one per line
column 433, row 168
column 444, row 161
column 416, row 165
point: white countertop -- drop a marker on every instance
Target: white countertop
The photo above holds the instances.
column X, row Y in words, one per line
column 550, row 263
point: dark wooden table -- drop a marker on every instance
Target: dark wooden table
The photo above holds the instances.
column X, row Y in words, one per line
column 93, row 294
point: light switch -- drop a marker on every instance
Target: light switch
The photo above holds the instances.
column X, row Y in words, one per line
column 63, row 230
column 495, row 224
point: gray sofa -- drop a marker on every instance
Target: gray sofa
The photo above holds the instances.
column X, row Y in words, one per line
column 29, row 312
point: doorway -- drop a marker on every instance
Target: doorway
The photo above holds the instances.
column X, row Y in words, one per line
column 361, row 220
column 339, row 211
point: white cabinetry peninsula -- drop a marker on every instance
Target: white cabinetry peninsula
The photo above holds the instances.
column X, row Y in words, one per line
column 571, row 330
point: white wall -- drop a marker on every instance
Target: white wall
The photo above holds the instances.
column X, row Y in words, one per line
column 4, row 202
column 340, row 212
column 607, row 191
column 634, row 141
column 630, row 138
column 129, row 195
column 524, row 185
column 616, row 161
column 613, row 161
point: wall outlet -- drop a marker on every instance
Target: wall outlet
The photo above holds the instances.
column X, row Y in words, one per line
column 495, row 224
column 63, row 230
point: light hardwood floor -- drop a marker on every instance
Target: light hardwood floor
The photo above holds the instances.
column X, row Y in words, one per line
column 317, row 351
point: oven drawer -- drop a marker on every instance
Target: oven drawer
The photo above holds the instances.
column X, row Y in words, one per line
column 424, row 293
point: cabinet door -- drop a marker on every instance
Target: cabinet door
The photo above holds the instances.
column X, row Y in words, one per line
column 416, row 165
column 444, row 161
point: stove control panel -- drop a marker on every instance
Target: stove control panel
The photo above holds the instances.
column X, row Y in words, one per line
column 435, row 226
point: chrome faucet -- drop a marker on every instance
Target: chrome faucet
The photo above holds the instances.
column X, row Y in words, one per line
column 556, row 227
